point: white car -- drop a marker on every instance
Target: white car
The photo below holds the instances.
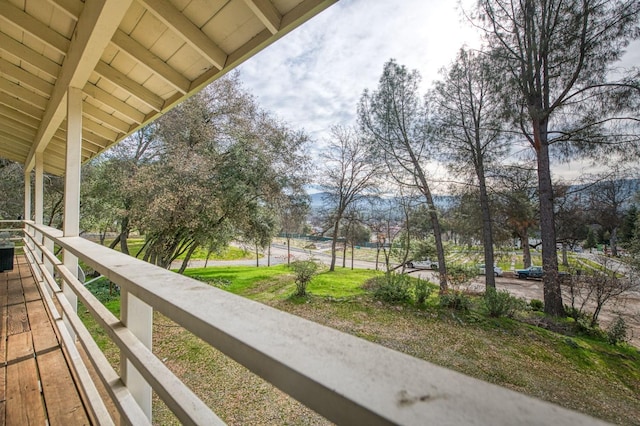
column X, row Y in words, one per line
column 497, row 271
column 422, row 264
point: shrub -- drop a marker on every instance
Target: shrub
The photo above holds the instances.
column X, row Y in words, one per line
column 422, row 291
column 393, row 288
column 617, row 331
column 501, row 303
column 458, row 275
column 537, row 305
column 455, row 299
column 304, row 271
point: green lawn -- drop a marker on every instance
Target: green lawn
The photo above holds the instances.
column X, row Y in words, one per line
column 575, row 371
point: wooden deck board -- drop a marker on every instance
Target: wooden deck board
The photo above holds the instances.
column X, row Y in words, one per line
column 15, row 294
column 36, row 385
column 24, row 405
column 60, row 394
column 44, row 338
column 17, row 321
column 30, row 290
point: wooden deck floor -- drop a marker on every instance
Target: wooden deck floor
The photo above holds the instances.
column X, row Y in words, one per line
column 36, row 385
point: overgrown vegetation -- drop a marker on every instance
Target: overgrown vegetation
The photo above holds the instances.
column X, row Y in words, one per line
column 304, row 271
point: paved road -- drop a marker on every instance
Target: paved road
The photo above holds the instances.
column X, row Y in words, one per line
column 527, row 289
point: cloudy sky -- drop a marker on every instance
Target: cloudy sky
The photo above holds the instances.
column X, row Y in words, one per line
column 314, row 77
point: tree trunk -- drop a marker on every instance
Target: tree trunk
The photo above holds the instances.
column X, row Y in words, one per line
column 269, row 255
column 565, row 259
column 344, row 253
column 552, row 292
column 526, row 250
column 487, row 231
column 613, row 240
column 187, row 257
column 124, row 234
column 334, row 238
column 288, row 250
column 115, row 242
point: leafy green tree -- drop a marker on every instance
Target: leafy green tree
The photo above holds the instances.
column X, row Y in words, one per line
column 223, row 166
column 470, row 118
column 555, row 57
column 396, row 120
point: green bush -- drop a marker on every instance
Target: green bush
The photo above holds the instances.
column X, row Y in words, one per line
column 458, row 275
column 502, row 304
column 537, row 305
column 422, row 291
column 617, row 331
column 455, row 299
column 304, row 271
column 392, row 288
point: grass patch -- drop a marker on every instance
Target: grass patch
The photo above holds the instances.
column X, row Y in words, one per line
column 577, row 372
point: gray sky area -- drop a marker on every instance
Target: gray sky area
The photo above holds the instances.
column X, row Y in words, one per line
column 313, row 77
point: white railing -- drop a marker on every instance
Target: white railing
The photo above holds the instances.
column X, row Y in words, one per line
column 346, row 379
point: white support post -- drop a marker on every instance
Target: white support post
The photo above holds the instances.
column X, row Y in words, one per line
column 73, row 161
column 39, row 202
column 137, row 316
column 27, row 195
column 27, row 204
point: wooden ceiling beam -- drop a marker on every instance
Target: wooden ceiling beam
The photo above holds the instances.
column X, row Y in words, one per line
column 190, row 33
column 140, row 92
column 150, row 61
column 23, row 94
column 72, row 8
column 25, row 78
column 266, row 13
column 111, row 101
column 28, row 55
column 107, row 119
column 31, row 25
column 20, row 105
column 96, row 25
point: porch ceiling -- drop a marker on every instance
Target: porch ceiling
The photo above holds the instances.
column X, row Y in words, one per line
column 133, row 60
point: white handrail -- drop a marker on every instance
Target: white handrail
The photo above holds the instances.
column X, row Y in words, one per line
column 344, row 378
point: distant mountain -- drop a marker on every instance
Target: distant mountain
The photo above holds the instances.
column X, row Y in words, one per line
column 441, row 201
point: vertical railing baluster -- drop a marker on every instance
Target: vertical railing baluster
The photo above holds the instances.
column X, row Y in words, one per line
column 137, row 316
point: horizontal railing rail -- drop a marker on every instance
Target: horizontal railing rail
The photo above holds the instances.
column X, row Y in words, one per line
column 346, row 379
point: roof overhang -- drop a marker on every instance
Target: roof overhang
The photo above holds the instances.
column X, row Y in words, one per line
column 133, row 59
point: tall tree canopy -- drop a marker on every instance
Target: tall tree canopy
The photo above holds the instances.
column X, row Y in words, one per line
column 396, row 120
column 556, row 57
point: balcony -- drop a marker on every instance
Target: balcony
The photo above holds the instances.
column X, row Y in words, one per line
column 50, row 358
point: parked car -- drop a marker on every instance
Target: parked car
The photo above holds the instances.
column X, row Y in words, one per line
column 536, row 272
column 530, row 272
column 482, row 270
column 422, row 264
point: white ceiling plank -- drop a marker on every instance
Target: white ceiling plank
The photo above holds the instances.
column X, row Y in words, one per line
column 119, row 79
column 96, row 25
column 25, row 78
column 20, row 105
column 267, row 13
column 14, row 114
column 153, row 63
column 73, row 8
column 99, row 115
column 99, row 130
column 34, row 27
column 26, row 54
column 111, row 101
column 23, row 94
column 172, row 18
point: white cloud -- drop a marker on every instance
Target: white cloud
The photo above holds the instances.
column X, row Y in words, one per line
column 314, row 77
